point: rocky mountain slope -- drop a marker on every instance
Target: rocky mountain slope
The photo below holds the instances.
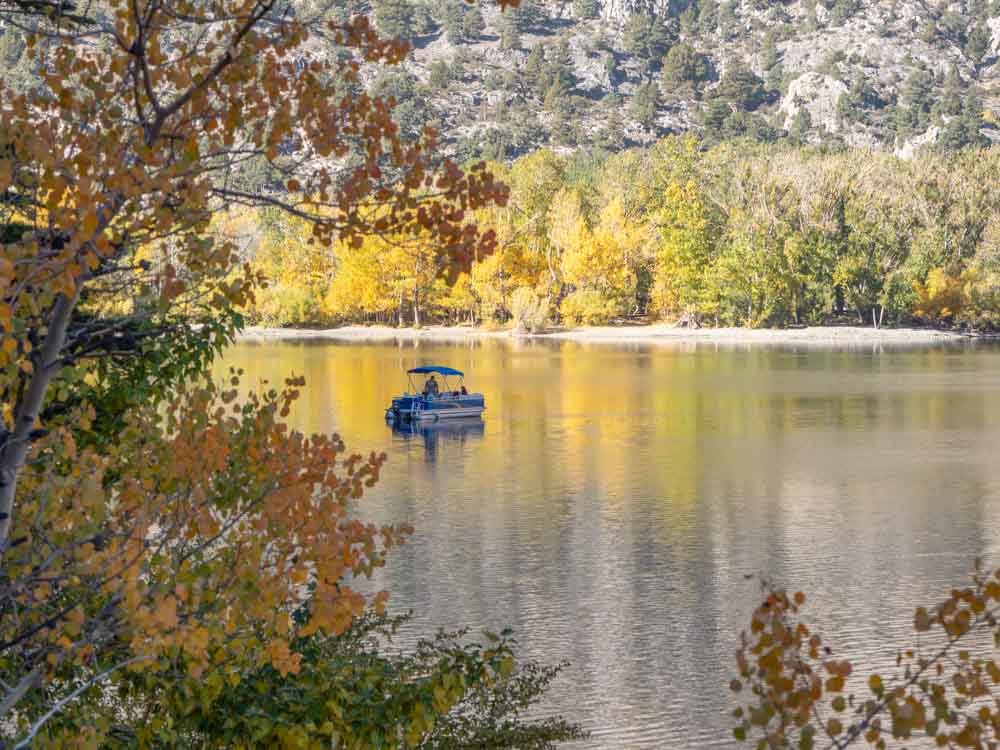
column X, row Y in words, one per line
column 888, row 74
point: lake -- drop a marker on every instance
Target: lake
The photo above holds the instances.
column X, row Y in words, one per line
column 614, row 498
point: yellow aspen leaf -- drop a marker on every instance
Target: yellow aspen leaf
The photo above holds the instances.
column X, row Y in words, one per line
column 90, row 223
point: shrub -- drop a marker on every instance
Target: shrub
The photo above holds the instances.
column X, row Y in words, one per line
column 286, row 305
column 982, row 300
column 588, row 307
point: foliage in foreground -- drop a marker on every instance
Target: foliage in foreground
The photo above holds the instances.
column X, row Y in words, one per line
column 944, row 689
column 357, row 689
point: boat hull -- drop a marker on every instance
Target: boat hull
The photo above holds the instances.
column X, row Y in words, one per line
column 435, row 409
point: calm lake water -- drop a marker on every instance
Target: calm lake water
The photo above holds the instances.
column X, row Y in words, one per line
column 614, row 497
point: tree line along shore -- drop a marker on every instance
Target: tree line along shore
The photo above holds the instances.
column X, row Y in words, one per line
column 736, row 235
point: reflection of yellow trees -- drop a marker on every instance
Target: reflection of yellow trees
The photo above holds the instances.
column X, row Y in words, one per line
column 674, row 426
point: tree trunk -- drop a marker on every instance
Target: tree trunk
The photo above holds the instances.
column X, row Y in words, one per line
column 416, row 309
column 15, row 447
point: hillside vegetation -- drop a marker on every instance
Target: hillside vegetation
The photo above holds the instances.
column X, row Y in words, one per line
column 889, row 74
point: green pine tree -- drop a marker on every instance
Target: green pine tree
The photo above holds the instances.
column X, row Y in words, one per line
column 642, row 107
column 798, row 133
column 394, row 18
column 742, row 87
column 978, row 44
column 510, row 35
column 560, row 65
column 452, row 20
column 473, row 24
column 684, row 67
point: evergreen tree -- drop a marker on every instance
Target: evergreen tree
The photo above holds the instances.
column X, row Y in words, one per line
column 847, row 109
column 411, row 112
column 560, row 65
column 611, row 137
column 394, row 18
column 852, row 103
column 708, row 16
column 917, row 98
column 843, row 10
column 972, row 120
column 955, row 26
column 557, row 97
column 929, row 32
column 647, row 38
column 643, row 105
column 747, row 125
column 978, row 44
column 423, row 19
column 769, row 54
column 440, row 75
column 798, row 133
column 683, row 65
column 812, row 19
column 742, row 87
column 771, row 63
column 714, row 115
column 904, row 121
column 535, row 69
column 19, row 72
column 689, row 19
column 529, row 15
column 453, row 17
column 510, row 35
column 951, row 94
column 473, row 24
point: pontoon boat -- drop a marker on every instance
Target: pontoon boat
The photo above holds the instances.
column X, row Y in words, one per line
column 434, row 402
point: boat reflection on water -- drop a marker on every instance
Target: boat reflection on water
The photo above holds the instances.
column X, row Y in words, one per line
column 438, row 436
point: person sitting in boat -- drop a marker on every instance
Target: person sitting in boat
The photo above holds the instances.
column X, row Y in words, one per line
column 431, row 387
column 463, row 391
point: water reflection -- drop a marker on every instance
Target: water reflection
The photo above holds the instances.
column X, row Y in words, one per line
column 613, row 497
column 438, row 437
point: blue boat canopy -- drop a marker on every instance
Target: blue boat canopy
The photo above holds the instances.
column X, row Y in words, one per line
column 435, row 368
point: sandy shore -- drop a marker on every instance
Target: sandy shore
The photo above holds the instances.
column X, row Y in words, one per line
column 832, row 335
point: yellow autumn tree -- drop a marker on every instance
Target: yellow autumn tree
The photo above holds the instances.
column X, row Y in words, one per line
column 567, row 234
column 298, row 271
column 941, row 296
column 684, row 256
column 385, row 273
column 602, row 266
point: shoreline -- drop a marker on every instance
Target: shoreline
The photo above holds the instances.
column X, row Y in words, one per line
column 655, row 333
